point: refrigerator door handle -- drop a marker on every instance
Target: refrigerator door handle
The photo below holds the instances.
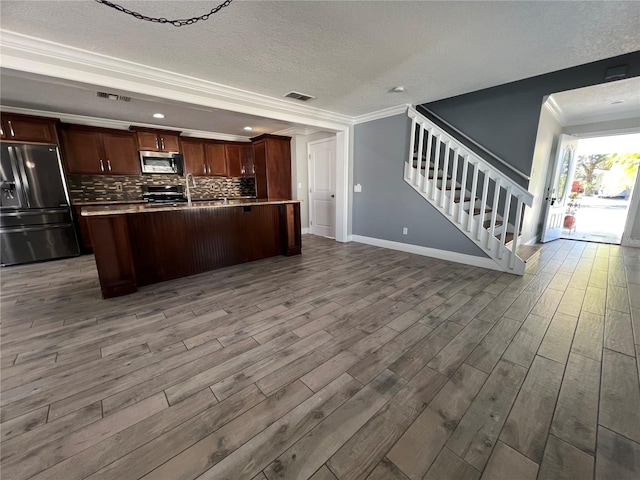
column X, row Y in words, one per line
column 17, row 175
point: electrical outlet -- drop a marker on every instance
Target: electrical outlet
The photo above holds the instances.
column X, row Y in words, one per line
column 357, row 188
column 118, row 186
column 405, row 230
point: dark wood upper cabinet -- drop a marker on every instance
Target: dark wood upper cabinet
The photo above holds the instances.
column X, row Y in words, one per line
column 25, row 128
column 233, row 154
column 216, row 159
column 81, row 151
column 239, row 160
column 121, row 153
column 249, row 169
column 157, row 140
column 195, row 160
column 272, row 157
column 97, row 151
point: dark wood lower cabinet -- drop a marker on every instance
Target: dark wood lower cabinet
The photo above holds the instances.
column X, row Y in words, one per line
column 151, row 247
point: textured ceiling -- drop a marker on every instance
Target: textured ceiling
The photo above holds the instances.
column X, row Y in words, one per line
column 347, row 54
column 607, row 101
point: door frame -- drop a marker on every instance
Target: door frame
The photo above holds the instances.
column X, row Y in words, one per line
column 335, row 173
column 632, row 215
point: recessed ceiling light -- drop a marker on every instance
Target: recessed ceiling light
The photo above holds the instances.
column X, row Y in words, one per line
column 616, row 102
column 248, row 129
column 158, row 115
column 398, row 89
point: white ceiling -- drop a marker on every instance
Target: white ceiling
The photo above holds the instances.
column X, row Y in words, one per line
column 606, row 101
column 347, row 54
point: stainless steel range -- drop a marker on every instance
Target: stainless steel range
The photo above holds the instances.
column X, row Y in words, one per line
column 163, row 193
column 35, row 217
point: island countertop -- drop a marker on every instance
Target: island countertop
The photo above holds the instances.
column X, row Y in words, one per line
column 122, row 209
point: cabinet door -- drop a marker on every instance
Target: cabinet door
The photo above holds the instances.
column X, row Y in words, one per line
column 216, row 159
column 247, row 161
column 29, row 130
column 121, row 153
column 82, row 152
column 194, row 158
column 260, row 159
column 279, row 168
column 169, row 143
column 234, row 160
column 148, row 141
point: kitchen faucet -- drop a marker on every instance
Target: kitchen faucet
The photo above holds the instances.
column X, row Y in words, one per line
column 187, row 177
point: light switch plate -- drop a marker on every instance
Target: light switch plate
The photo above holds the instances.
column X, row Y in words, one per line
column 357, row 188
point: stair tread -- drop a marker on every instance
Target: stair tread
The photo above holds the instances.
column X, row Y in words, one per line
column 487, row 224
column 508, row 238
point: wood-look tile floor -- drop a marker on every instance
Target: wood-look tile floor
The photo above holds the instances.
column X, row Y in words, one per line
column 347, row 362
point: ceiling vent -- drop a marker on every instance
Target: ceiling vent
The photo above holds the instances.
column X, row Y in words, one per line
column 299, row 96
column 113, row 96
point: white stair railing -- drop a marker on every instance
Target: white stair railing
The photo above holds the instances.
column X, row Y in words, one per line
column 484, row 203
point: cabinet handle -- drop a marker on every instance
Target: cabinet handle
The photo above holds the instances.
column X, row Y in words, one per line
column 204, row 168
column 13, row 134
column 109, row 164
column 253, row 168
column 101, row 166
column 162, row 142
column 243, row 170
column 157, row 147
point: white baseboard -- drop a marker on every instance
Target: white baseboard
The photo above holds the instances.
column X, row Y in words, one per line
column 630, row 242
column 305, row 230
column 484, row 262
column 533, row 241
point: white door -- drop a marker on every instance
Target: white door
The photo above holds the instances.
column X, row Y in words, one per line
column 322, row 187
column 560, row 187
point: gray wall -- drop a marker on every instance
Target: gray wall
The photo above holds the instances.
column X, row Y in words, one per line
column 387, row 203
column 504, row 119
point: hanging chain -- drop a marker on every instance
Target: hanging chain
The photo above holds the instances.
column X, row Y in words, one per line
column 175, row 23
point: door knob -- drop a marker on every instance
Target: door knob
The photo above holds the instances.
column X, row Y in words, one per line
column 333, row 196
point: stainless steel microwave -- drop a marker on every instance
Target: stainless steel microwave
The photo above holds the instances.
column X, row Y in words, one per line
column 169, row 163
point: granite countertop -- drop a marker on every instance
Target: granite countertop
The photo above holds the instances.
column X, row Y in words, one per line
column 87, row 203
column 171, row 207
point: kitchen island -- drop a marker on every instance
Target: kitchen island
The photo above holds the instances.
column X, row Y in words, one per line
column 136, row 245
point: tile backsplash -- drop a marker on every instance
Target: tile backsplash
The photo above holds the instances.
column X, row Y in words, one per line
column 92, row 188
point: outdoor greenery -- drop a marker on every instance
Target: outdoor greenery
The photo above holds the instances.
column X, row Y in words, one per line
column 613, row 173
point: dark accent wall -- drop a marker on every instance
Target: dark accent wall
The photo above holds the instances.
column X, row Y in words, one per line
column 387, row 203
column 504, row 119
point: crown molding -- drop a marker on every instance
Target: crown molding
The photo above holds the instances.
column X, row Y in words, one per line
column 603, row 117
column 34, row 55
column 297, row 131
column 120, row 124
column 384, row 113
column 555, row 110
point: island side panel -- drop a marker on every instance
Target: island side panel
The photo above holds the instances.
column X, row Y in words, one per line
column 290, row 231
column 112, row 251
column 167, row 245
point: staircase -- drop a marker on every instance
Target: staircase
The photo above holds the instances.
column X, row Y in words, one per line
column 481, row 201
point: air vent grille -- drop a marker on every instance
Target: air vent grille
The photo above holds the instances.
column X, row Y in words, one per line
column 113, row 96
column 303, row 97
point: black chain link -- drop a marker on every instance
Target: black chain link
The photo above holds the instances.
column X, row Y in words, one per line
column 175, row 23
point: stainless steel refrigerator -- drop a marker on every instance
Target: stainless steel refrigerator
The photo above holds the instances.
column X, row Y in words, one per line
column 35, row 216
